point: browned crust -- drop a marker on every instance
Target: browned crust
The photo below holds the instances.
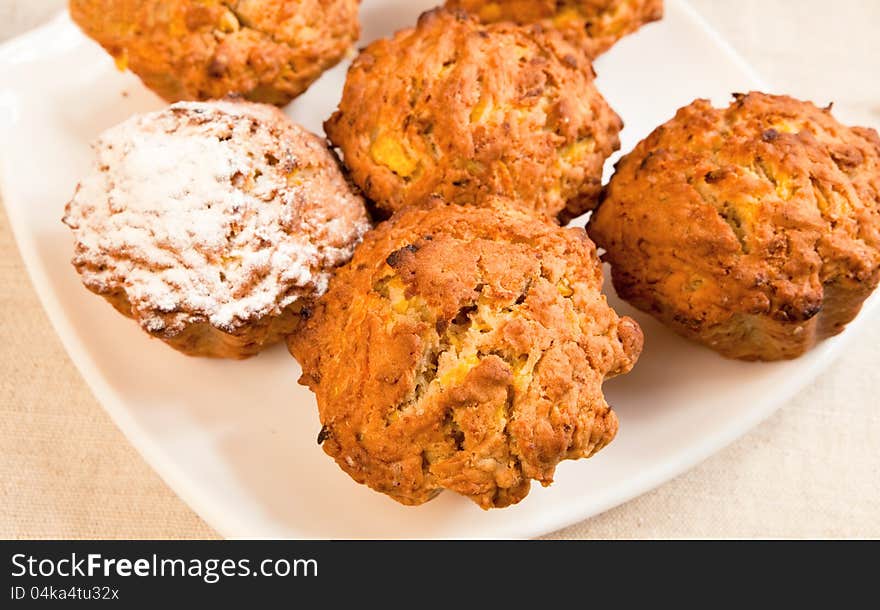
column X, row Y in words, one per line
column 594, row 25
column 464, row 348
column 266, row 50
column 753, row 229
column 469, row 112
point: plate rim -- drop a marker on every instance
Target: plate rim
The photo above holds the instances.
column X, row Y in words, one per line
column 191, row 491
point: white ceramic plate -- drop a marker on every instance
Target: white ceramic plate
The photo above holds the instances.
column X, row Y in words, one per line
column 236, row 440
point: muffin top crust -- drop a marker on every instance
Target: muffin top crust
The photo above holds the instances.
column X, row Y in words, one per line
column 594, row 25
column 470, row 112
column 769, row 207
column 464, row 348
column 265, row 50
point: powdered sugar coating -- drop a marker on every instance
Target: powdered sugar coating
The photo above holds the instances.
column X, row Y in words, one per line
column 221, row 212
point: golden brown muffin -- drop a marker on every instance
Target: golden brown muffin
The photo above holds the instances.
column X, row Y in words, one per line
column 753, row 229
column 464, row 348
column 467, row 111
column 266, row 50
column 594, row 25
column 213, row 224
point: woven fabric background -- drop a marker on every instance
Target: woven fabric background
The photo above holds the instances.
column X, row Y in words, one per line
column 811, row 470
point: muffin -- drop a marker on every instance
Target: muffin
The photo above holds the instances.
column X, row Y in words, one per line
column 213, row 224
column 266, row 50
column 464, row 348
column 754, row 229
column 469, row 112
column 594, row 25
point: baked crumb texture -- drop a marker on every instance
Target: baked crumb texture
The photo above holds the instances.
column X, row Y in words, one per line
column 753, row 229
column 266, row 50
column 213, row 224
column 593, row 25
column 469, row 112
column 464, row 348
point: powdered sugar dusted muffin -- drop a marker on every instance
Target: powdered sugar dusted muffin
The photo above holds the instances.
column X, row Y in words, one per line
column 213, row 224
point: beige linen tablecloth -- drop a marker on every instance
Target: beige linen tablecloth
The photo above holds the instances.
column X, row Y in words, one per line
column 811, row 470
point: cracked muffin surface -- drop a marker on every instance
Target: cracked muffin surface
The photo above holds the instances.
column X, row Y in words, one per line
column 464, row 348
column 266, row 50
column 469, row 111
column 594, row 25
column 212, row 223
column 753, row 229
